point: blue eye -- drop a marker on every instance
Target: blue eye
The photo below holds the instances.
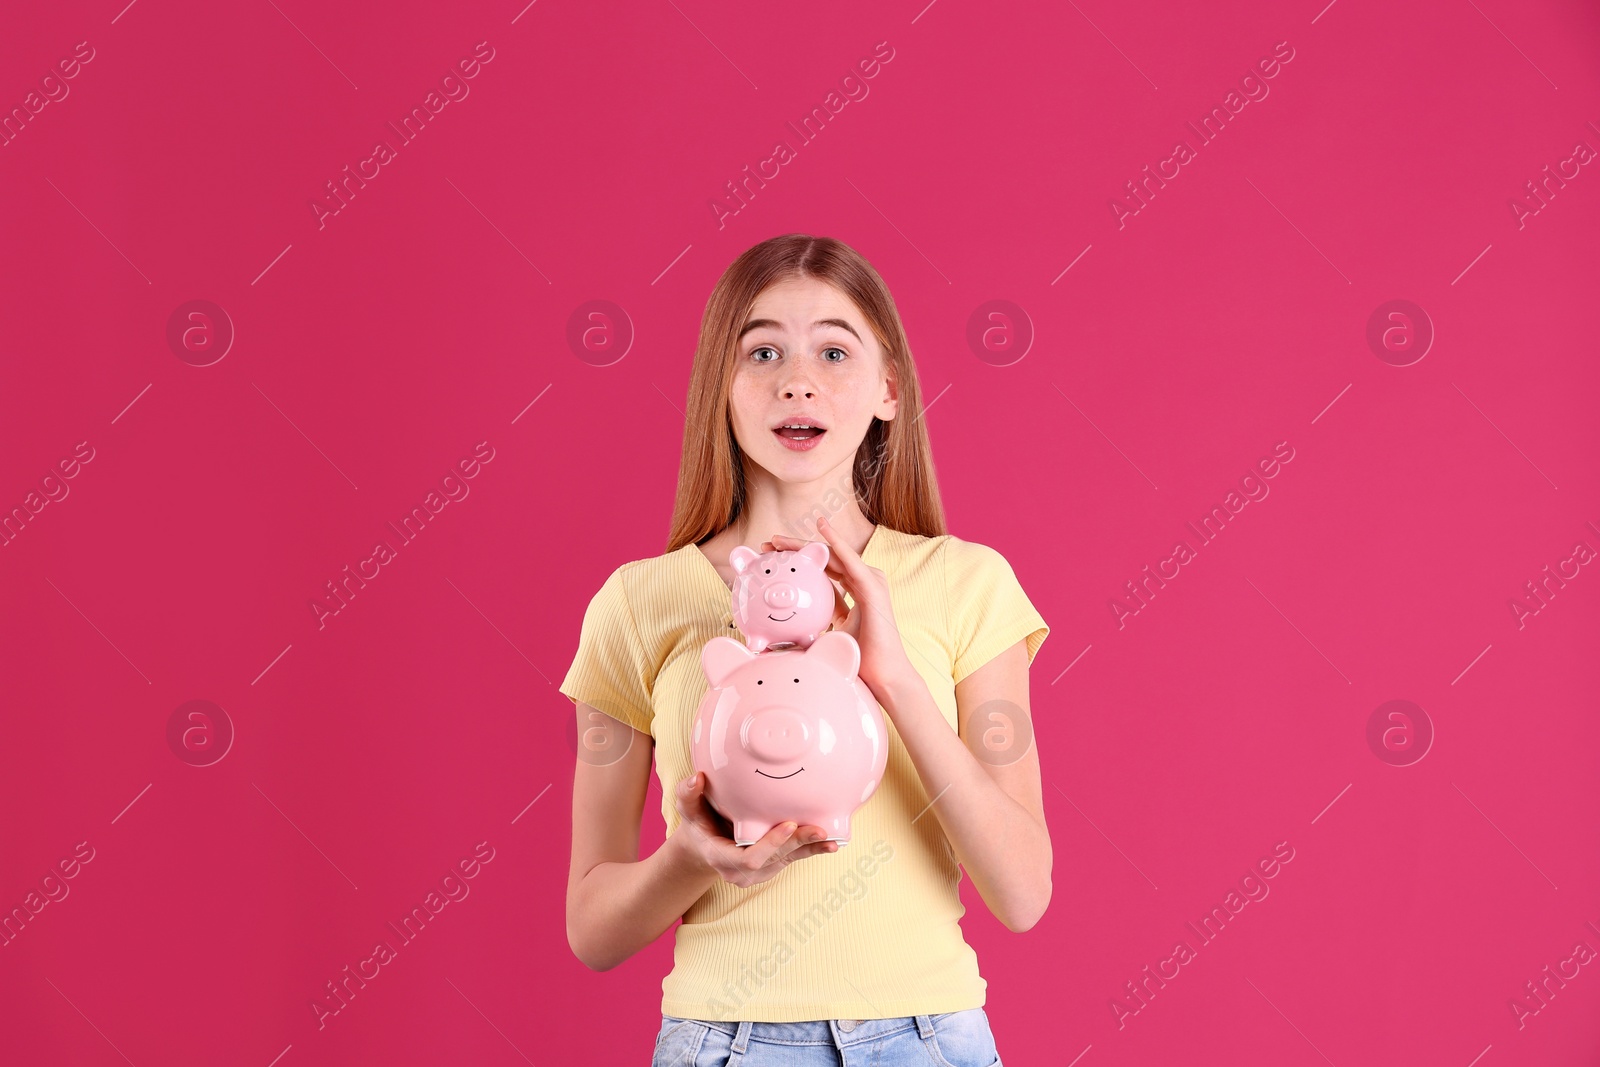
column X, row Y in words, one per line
column 755, row 354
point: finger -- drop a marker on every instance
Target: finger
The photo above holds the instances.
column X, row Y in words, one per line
column 808, row 840
column 806, row 837
column 691, row 804
column 836, row 544
column 848, row 561
column 783, row 543
column 683, row 791
column 760, row 854
column 691, row 791
column 821, row 848
column 841, row 610
column 697, row 810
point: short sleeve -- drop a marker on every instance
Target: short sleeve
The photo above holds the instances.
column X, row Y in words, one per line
column 610, row 671
column 988, row 610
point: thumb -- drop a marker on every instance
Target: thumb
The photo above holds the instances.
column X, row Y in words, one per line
column 694, row 797
column 686, row 792
column 841, row 610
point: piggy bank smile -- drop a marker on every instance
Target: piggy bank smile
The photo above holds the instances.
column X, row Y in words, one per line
column 780, row 713
column 792, row 582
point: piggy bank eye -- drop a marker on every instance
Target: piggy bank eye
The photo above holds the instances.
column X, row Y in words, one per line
column 767, row 571
column 797, row 679
column 791, row 570
column 758, row 681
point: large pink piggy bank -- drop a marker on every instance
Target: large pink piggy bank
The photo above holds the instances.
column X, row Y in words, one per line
column 781, row 598
column 788, row 736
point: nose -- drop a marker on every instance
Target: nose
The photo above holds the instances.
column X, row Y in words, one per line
column 781, row 595
column 776, row 735
column 797, row 382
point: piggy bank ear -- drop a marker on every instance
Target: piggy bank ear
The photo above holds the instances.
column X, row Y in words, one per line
column 721, row 656
column 837, row 649
column 741, row 557
column 816, row 552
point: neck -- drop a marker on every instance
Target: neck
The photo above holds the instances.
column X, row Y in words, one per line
column 792, row 509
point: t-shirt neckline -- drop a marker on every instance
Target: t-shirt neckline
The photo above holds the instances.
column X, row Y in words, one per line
column 706, row 564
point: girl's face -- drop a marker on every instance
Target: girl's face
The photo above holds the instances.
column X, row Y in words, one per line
column 808, row 357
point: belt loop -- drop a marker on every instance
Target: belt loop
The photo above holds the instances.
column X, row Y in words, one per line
column 742, row 1038
column 925, row 1026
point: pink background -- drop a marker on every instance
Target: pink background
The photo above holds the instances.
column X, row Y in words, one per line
column 431, row 312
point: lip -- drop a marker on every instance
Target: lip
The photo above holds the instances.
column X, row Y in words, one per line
column 777, row 777
column 790, row 616
column 799, row 446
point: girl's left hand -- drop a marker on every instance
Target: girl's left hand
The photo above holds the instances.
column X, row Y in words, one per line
column 871, row 622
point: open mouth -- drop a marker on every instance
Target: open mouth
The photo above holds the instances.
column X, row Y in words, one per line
column 791, row 615
column 778, row 777
column 799, row 434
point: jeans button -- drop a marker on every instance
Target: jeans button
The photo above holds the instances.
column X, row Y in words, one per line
column 847, row 1025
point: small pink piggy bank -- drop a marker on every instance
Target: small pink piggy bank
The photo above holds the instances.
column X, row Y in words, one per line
column 781, row 599
column 788, row 736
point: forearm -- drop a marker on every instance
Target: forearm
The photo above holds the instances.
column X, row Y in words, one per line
column 616, row 909
column 1004, row 849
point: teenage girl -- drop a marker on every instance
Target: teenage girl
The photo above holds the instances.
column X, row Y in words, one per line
column 804, row 422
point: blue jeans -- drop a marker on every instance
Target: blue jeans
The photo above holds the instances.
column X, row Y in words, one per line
column 953, row 1039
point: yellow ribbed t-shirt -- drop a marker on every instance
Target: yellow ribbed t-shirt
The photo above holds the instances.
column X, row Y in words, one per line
column 871, row 931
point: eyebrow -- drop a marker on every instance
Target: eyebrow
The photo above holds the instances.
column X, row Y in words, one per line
column 769, row 324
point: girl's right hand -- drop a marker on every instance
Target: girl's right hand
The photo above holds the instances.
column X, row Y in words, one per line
column 708, row 837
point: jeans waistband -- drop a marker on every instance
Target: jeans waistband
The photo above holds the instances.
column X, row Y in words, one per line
column 836, row 1032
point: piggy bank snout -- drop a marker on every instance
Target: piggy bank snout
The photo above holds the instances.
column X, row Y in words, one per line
column 776, row 735
column 781, row 595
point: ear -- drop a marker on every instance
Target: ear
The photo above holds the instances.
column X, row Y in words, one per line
column 721, row 656
column 889, row 406
column 816, row 552
column 741, row 557
column 837, row 649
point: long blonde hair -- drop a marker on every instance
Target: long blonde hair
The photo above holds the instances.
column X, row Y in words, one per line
column 893, row 477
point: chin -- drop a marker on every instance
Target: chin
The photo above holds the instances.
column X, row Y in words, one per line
column 816, row 461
